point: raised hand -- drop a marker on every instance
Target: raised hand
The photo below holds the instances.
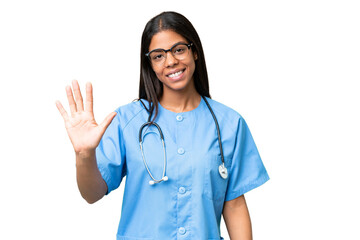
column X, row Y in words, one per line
column 84, row 133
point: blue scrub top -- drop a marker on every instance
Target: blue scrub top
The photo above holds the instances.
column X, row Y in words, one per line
column 189, row 205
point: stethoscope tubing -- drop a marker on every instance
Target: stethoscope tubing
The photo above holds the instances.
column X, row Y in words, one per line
column 217, row 129
column 222, row 168
column 164, row 178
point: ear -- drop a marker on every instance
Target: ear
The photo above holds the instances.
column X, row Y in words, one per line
column 195, row 56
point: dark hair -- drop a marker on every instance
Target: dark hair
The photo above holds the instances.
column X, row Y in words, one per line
column 150, row 87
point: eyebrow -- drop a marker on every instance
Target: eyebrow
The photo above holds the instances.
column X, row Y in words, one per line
column 158, row 49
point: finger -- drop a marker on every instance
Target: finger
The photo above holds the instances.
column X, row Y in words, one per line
column 104, row 125
column 89, row 98
column 62, row 111
column 78, row 96
column 71, row 100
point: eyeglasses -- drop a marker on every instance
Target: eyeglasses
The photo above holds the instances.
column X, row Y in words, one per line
column 179, row 51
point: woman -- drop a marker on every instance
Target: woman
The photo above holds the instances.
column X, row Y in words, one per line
column 176, row 189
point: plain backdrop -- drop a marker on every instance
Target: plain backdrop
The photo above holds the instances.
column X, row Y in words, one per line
column 290, row 68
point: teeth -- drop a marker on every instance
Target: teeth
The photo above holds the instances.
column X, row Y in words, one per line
column 176, row 74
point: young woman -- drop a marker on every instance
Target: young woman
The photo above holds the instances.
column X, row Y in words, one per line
column 187, row 158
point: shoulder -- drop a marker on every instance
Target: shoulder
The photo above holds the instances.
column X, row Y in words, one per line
column 225, row 113
column 126, row 113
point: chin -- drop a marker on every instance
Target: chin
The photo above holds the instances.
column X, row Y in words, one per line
column 177, row 87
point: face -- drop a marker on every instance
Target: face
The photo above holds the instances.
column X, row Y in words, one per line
column 176, row 75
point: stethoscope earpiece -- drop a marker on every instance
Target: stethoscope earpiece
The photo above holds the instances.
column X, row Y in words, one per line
column 152, row 182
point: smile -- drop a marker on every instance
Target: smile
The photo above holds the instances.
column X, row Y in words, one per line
column 175, row 74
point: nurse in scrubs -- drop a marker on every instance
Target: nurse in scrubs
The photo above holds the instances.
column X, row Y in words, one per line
column 189, row 205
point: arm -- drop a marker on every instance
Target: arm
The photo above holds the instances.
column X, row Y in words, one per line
column 237, row 219
column 85, row 135
column 90, row 182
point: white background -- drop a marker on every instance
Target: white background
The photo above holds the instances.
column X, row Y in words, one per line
column 291, row 68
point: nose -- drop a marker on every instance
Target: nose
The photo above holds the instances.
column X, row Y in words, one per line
column 170, row 60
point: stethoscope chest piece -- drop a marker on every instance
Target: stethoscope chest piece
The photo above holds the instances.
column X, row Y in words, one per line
column 223, row 171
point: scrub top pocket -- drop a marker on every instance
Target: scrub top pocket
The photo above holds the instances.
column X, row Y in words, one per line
column 214, row 185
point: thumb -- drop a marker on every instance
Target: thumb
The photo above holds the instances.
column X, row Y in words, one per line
column 104, row 125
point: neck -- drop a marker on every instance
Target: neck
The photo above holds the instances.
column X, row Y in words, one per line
column 180, row 100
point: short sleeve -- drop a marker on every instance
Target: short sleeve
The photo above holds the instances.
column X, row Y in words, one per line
column 247, row 170
column 110, row 155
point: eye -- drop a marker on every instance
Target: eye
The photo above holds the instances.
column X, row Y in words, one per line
column 157, row 56
column 180, row 49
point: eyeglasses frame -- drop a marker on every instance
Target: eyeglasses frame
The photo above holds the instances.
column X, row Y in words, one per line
column 189, row 45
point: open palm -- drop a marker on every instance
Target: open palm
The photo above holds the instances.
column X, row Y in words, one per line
column 83, row 131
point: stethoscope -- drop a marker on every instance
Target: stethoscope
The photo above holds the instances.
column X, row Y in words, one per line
column 222, row 169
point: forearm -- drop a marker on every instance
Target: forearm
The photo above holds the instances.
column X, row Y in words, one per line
column 237, row 219
column 90, row 182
